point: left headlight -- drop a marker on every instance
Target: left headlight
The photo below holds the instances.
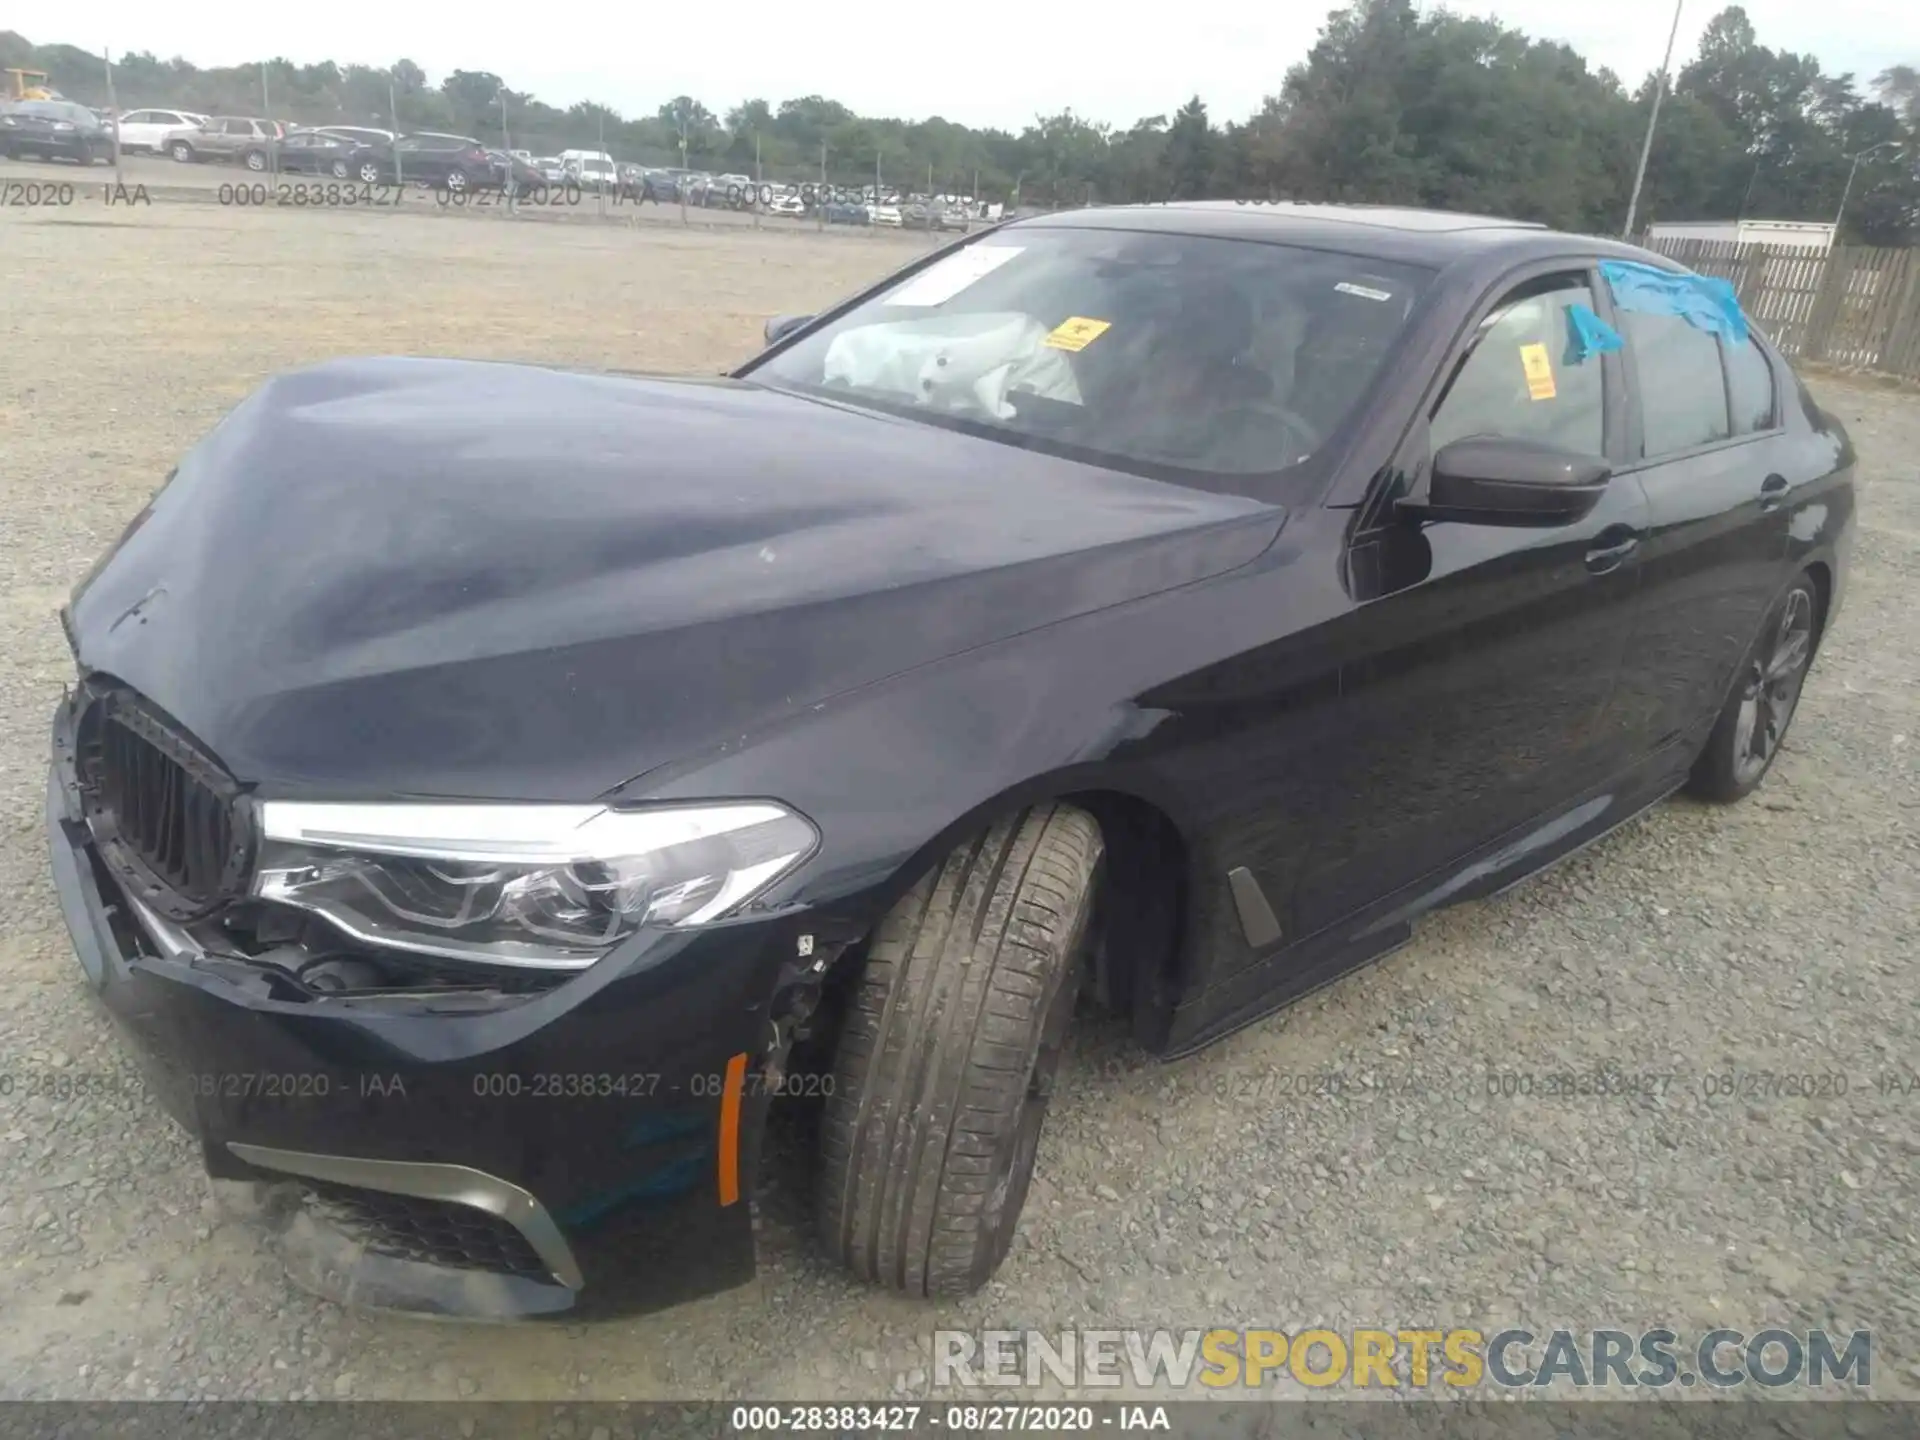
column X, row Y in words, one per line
column 554, row 886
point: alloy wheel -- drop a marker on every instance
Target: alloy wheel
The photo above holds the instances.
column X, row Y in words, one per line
column 1772, row 687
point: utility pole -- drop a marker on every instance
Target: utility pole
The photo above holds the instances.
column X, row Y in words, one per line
column 1848, row 190
column 113, row 108
column 393, row 118
column 820, row 197
column 266, row 113
column 1646, row 146
column 757, row 181
column 506, row 144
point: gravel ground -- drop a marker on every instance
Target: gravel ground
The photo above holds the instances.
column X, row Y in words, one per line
column 1777, row 936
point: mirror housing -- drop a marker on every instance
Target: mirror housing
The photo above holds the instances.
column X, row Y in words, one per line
column 781, row 326
column 1489, row 481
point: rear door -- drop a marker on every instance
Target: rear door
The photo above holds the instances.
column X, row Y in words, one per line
column 1710, row 451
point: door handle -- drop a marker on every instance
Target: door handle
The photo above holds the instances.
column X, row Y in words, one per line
column 1611, row 548
column 1773, row 490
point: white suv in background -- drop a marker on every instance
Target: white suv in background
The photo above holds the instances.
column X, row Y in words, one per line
column 148, row 129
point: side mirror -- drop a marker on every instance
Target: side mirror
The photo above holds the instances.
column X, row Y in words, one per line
column 1510, row 482
column 782, row 326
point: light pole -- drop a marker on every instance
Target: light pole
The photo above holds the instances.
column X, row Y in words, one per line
column 1646, row 146
column 506, row 144
column 1848, row 189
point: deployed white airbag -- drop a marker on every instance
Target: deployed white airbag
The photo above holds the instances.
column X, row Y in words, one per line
column 967, row 364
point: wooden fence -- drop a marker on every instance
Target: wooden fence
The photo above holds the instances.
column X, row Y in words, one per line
column 1853, row 306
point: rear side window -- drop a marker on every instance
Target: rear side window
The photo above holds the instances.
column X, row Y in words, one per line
column 1750, row 388
column 1683, row 388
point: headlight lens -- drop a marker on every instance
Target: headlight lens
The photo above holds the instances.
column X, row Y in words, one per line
column 554, row 886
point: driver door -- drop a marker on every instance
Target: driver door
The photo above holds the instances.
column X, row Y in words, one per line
column 1483, row 655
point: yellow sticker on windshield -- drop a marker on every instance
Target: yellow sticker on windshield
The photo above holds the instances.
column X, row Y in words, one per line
column 1533, row 359
column 1076, row 332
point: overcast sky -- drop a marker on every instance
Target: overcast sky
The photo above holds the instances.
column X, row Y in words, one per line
column 981, row 64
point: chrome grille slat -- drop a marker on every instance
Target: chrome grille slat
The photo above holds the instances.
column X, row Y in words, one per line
column 166, row 817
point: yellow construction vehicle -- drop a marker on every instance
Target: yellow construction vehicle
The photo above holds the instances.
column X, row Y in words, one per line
column 29, row 85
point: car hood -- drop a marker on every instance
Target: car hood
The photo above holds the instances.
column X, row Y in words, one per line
column 427, row 577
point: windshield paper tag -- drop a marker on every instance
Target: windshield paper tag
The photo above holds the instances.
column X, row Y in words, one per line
column 1076, row 332
column 946, row 279
column 1533, row 359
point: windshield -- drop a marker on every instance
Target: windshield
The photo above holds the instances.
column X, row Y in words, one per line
column 1154, row 351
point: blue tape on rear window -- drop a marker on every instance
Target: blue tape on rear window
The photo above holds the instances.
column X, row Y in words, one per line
column 1701, row 300
column 1591, row 335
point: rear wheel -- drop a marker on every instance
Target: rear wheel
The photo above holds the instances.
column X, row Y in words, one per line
column 256, row 160
column 1747, row 736
column 181, row 151
column 946, row 1058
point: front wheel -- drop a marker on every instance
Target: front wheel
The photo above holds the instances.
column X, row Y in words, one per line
column 946, row 1057
column 369, row 173
column 1747, row 736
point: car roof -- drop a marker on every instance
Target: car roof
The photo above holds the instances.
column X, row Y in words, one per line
column 1436, row 238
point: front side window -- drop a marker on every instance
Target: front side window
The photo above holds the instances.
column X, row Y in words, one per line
column 1683, row 389
column 1202, row 356
column 1525, row 376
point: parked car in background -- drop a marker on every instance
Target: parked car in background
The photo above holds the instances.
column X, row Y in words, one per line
column 845, row 212
column 510, row 171
column 317, row 152
column 359, row 134
column 594, row 172
column 245, row 139
column 551, row 169
column 884, row 215
column 54, row 129
column 456, row 163
column 787, row 202
column 147, row 130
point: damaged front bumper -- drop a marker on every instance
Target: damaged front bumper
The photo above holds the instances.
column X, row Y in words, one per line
column 581, row 1149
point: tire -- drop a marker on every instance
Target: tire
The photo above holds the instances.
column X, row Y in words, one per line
column 181, row 151
column 456, row 182
column 370, row 173
column 945, row 1059
column 1747, row 736
column 256, row 161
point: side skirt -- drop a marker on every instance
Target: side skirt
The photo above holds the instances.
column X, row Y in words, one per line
column 1299, row 969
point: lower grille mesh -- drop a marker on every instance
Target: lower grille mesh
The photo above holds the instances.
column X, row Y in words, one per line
column 433, row 1232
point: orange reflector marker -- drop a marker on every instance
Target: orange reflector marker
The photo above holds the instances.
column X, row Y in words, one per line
column 730, row 1129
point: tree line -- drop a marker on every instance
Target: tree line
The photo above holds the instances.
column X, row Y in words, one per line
column 1391, row 105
